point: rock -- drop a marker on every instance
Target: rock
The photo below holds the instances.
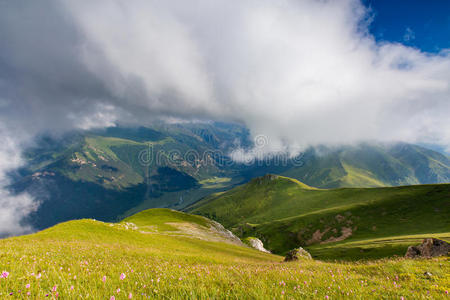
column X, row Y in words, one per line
column 429, row 248
column 256, row 243
column 225, row 233
column 297, row 254
column 412, row 252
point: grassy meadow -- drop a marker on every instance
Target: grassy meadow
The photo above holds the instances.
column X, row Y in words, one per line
column 156, row 254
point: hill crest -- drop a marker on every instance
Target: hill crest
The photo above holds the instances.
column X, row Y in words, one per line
column 274, row 179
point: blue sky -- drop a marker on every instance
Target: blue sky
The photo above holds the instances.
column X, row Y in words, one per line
column 424, row 24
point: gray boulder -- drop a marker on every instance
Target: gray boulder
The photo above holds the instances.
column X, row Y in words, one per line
column 429, row 248
column 297, row 254
column 256, row 243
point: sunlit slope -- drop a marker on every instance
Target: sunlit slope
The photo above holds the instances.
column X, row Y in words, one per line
column 285, row 214
column 159, row 230
column 147, row 257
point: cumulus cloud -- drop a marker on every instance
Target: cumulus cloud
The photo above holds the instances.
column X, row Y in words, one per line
column 13, row 207
column 300, row 72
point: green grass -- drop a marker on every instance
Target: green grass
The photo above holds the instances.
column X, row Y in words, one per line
column 284, row 214
column 75, row 256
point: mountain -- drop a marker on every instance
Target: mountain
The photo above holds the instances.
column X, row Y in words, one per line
column 164, row 254
column 371, row 165
column 332, row 223
column 115, row 172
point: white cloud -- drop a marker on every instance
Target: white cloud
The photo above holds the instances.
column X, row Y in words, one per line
column 302, row 72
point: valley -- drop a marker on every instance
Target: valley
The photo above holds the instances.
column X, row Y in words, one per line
column 126, row 170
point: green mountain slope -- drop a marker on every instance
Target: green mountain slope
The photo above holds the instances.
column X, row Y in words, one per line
column 115, row 172
column 285, row 214
column 146, row 257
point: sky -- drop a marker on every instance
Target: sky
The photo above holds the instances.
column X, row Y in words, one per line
column 424, row 24
column 301, row 72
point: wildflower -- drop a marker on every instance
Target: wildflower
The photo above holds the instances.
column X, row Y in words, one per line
column 28, row 293
column 5, row 274
column 282, row 292
column 112, row 298
column 27, row 286
column 54, row 288
column 326, row 297
column 130, row 295
column 38, row 276
column 122, row 276
column 71, row 287
column 118, row 290
column 104, row 278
